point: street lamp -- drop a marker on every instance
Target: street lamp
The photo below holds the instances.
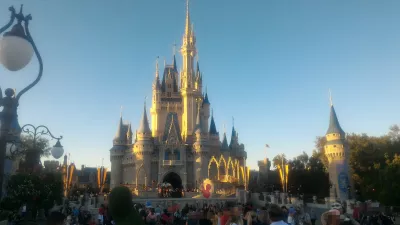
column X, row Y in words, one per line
column 16, row 50
column 32, row 154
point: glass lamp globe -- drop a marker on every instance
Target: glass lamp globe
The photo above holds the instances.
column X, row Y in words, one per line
column 15, row 50
column 57, row 151
column 10, row 149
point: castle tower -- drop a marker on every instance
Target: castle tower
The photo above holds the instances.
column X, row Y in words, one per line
column 156, row 102
column 120, row 143
column 143, row 149
column 337, row 152
column 200, row 150
column 189, row 94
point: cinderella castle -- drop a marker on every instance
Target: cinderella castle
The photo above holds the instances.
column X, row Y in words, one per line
column 182, row 146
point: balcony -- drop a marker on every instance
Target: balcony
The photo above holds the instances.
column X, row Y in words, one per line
column 172, row 163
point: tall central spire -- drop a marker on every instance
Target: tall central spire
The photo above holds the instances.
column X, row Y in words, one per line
column 188, row 51
column 187, row 25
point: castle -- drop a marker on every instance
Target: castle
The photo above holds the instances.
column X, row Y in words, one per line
column 183, row 146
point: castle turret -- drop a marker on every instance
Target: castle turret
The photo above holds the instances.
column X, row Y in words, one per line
column 143, row 149
column 337, row 152
column 120, row 135
column 120, row 144
column 201, row 149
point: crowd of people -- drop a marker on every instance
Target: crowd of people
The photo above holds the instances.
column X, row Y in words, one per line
column 228, row 215
column 249, row 215
column 219, row 214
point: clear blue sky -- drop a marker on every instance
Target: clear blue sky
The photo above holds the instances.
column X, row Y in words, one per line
column 267, row 63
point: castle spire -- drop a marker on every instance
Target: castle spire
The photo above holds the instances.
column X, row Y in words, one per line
column 156, row 83
column 334, row 126
column 188, row 30
column 144, row 123
column 120, row 134
column 174, row 58
column 213, row 128
column 206, row 101
column 224, row 146
column 157, row 71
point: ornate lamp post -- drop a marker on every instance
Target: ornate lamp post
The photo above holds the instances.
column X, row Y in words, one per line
column 16, row 50
column 32, row 154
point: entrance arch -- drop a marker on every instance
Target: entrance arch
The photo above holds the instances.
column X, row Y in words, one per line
column 176, row 182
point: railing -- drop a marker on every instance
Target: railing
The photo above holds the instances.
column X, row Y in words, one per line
column 172, row 162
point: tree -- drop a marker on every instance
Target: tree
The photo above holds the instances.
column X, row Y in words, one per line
column 320, row 143
column 279, row 159
column 373, row 165
column 41, row 144
column 37, row 190
column 305, row 172
column 394, row 133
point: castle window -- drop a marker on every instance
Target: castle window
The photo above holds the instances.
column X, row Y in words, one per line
column 169, row 94
column 169, row 86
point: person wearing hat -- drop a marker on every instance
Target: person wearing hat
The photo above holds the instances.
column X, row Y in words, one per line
column 335, row 216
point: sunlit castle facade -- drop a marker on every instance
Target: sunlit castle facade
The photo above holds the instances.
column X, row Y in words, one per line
column 182, row 147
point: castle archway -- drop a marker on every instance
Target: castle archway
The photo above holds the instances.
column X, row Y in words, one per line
column 176, row 182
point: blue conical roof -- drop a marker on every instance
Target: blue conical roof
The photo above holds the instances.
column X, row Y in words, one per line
column 334, row 126
column 224, row 146
column 213, row 128
column 174, row 64
column 206, row 101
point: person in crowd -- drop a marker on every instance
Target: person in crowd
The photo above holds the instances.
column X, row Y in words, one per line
column 313, row 216
column 206, row 218
column 291, row 215
column 100, row 217
column 177, row 216
column 56, row 218
column 225, row 216
column 301, row 217
column 23, row 211
column 234, row 220
column 262, row 218
column 285, row 212
column 158, row 211
column 165, row 217
column 151, row 217
column 250, row 218
column 219, row 215
column 275, row 215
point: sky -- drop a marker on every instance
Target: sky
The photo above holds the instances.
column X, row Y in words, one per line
column 267, row 63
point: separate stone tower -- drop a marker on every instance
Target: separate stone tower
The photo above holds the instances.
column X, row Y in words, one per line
column 337, row 152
